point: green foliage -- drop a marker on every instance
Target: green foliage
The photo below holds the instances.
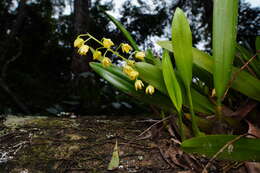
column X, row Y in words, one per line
column 244, row 82
column 173, row 87
column 224, row 42
column 153, row 75
column 124, row 31
column 181, row 86
column 118, row 79
column 171, row 81
column 238, row 149
column 182, row 46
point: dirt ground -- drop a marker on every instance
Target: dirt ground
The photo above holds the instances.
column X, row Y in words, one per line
column 85, row 144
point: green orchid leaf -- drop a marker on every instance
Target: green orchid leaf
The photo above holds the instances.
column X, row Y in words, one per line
column 246, row 56
column 150, row 58
column 124, row 31
column 182, row 41
column 225, row 15
column 171, row 81
column 237, row 149
column 118, row 79
column 244, row 82
column 154, row 76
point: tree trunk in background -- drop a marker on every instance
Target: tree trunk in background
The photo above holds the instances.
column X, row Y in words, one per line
column 81, row 25
column 16, row 27
column 5, row 60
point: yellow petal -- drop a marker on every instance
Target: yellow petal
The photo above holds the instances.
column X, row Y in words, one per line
column 97, row 55
column 126, row 48
column 78, row 42
column 107, row 43
column 131, row 62
column 140, row 55
column 138, row 85
column 133, row 75
column 106, row 62
column 149, row 90
column 127, row 69
column 83, row 50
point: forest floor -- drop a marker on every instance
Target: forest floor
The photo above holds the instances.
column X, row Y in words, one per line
column 85, row 144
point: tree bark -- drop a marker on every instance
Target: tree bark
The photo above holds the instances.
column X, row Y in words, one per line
column 5, row 60
column 81, row 25
column 17, row 25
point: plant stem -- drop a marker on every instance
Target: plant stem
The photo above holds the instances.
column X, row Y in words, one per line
column 195, row 128
column 114, row 52
column 219, row 115
column 181, row 126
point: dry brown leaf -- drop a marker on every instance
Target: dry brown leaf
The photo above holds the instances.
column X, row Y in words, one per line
column 242, row 111
column 252, row 167
column 252, row 129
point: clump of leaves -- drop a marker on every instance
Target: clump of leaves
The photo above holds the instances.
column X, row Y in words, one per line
column 175, row 88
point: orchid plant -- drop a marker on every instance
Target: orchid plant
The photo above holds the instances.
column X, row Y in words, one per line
column 184, row 88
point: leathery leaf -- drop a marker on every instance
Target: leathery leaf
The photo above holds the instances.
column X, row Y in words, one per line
column 236, row 148
column 171, row 81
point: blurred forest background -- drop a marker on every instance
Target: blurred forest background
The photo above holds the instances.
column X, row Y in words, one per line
column 41, row 73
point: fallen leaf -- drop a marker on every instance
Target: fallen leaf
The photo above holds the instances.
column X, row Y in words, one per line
column 242, row 111
column 114, row 162
column 252, row 167
column 252, row 129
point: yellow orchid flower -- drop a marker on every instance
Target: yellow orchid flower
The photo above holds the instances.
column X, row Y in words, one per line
column 127, row 69
column 106, row 62
column 140, row 55
column 107, row 43
column 78, row 42
column 138, row 85
column 149, row 90
column 133, row 75
column 126, row 47
column 83, row 50
column 96, row 55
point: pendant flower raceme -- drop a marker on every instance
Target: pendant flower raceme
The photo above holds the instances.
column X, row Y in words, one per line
column 107, row 43
column 138, row 85
column 140, row 55
column 126, row 48
column 106, row 62
column 78, row 42
column 83, row 50
column 128, row 68
column 149, row 90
